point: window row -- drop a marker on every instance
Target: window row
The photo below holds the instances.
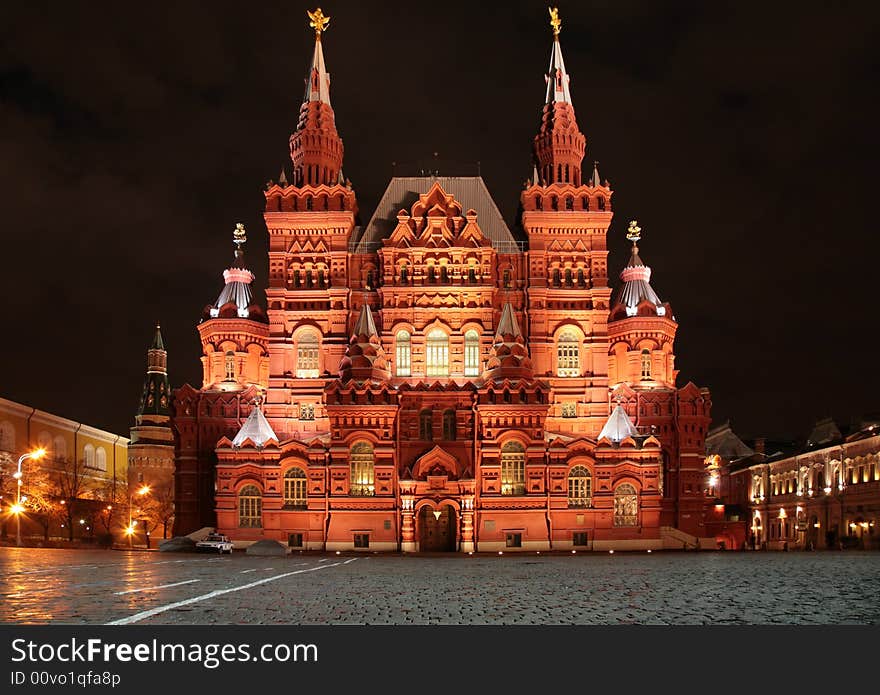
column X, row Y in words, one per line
column 580, row 486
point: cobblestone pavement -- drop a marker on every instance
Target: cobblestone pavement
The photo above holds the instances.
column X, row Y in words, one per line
column 97, row 587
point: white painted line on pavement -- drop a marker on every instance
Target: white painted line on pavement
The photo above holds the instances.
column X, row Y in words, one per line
column 246, row 571
column 137, row 617
column 150, row 588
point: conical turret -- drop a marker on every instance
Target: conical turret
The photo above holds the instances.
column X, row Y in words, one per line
column 365, row 357
column 155, row 402
column 508, row 356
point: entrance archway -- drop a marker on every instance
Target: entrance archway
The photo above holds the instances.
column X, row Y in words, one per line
column 437, row 529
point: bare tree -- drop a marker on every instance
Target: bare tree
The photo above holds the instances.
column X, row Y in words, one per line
column 71, row 484
column 162, row 507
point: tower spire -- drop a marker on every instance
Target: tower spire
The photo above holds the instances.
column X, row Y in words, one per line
column 559, row 145
column 315, row 147
column 155, row 399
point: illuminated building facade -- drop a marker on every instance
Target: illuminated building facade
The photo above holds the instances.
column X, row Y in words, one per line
column 822, row 495
column 91, row 460
column 433, row 381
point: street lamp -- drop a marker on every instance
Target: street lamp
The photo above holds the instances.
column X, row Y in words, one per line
column 18, row 508
column 144, row 490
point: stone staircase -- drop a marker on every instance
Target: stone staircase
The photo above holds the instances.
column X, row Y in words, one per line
column 673, row 539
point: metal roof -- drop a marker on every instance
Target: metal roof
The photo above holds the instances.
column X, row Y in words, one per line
column 470, row 191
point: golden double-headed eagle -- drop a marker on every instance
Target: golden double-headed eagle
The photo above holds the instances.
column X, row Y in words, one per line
column 239, row 234
column 555, row 22
column 319, row 21
column 634, row 233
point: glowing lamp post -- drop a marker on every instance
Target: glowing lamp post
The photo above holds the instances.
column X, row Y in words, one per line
column 18, row 508
column 129, row 531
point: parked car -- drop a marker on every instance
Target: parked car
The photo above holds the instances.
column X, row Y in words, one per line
column 215, row 542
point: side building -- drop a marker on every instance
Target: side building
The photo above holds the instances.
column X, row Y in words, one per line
column 83, row 465
column 823, row 493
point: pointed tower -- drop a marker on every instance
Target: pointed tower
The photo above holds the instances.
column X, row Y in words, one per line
column 508, row 356
column 234, row 330
column 365, row 358
column 151, row 449
column 567, row 219
column 310, row 218
column 559, row 145
column 315, row 147
column 641, row 327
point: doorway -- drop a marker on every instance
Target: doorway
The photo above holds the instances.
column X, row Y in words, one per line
column 437, row 529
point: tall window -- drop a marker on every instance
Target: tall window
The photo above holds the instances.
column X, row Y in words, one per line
column 230, row 366
column 7, row 436
column 646, row 364
column 59, row 448
column 295, row 488
column 580, row 487
column 513, row 469
column 471, row 354
column 363, row 476
column 89, row 456
column 626, row 506
column 307, row 356
column 101, row 459
column 250, row 507
column 404, row 354
column 437, row 353
column 568, row 362
column 444, row 275
column 449, row 432
column 426, row 425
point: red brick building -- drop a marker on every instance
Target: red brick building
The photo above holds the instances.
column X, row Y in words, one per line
column 434, row 380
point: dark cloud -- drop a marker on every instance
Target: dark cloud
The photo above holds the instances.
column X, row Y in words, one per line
column 742, row 136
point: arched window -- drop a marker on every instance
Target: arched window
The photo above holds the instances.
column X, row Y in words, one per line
column 101, row 459
column 403, row 274
column 556, row 277
column 626, row 505
column 437, row 356
column 403, row 352
column 568, row 362
column 59, row 448
column 89, row 456
column 7, row 437
column 432, row 278
column 513, row 469
column 363, row 476
column 426, row 425
column 580, row 487
column 505, row 281
column 250, row 507
column 230, row 366
column 581, row 281
column 307, row 349
column 601, row 202
column 449, row 432
column 471, row 354
column 568, row 277
column 646, row 364
column 295, row 488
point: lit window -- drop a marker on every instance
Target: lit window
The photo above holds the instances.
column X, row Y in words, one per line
column 230, row 366
column 101, row 459
column 646, row 364
column 568, row 355
column 569, row 409
column 580, row 487
column 307, row 356
column 306, row 411
column 295, row 488
column 404, row 353
column 471, row 354
column 513, row 469
column 362, row 470
column 626, row 506
column 250, row 507
column 89, row 456
column 437, row 356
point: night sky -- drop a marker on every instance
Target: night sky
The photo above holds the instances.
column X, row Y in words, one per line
column 742, row 136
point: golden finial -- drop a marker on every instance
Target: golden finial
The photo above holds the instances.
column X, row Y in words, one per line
column 555, row 22
column 319, row 21
column 239, row 234
column 634, row 233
